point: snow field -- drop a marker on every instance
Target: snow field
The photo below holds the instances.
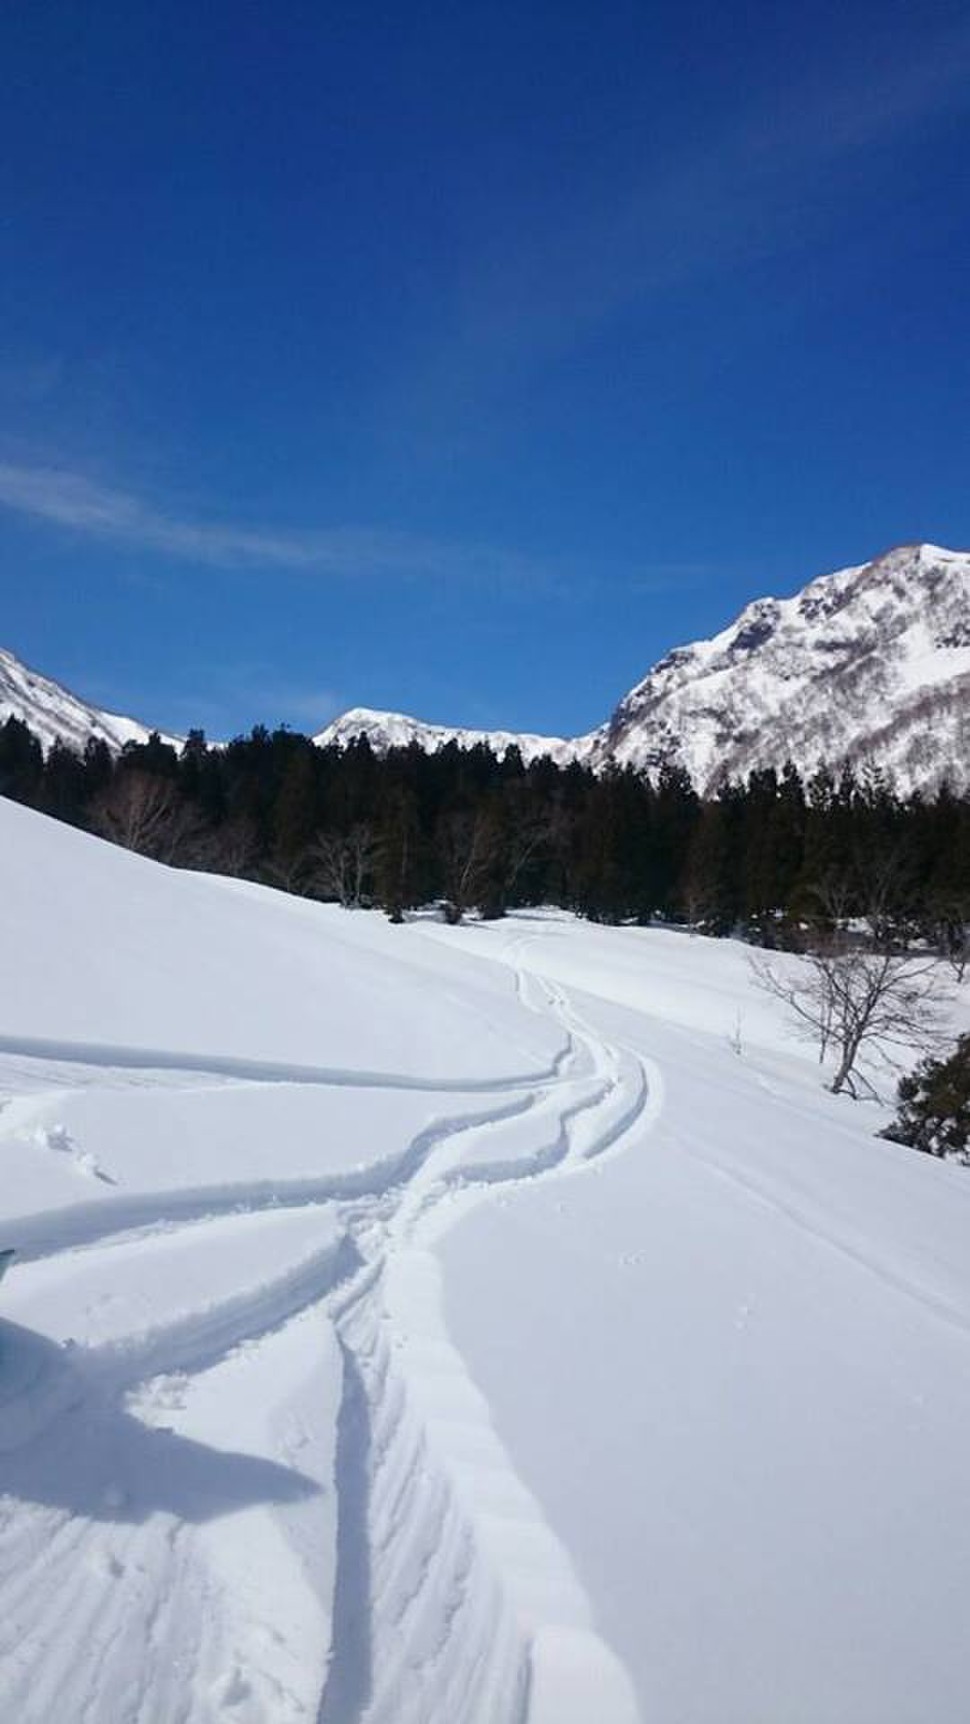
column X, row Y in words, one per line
column 748, row 1424
column 453, row 1326
column 206, row 1240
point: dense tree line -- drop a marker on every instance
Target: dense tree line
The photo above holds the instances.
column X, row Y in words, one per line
column 767, row 858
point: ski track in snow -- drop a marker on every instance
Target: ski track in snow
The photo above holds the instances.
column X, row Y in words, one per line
column 454, row 1603
column 111, row 1060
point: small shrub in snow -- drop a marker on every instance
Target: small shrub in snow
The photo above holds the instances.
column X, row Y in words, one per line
column 934, row 1106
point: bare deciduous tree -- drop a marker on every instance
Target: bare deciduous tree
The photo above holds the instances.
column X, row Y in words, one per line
column 957, row 948
column 287, row 869
column 870, row 902
column 342, row 865
column 951, row 930
column 528, row 838
column 853, row 999
column 232, row 848
column 508, row 841
column 466, row 844
column 144, row 812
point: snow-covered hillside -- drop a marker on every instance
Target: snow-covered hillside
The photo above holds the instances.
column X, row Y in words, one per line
column 54, row 714
column 451, row 1326
column 384, row 730
column 871, row 664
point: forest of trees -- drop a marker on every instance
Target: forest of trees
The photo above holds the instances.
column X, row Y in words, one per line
column 767, row 859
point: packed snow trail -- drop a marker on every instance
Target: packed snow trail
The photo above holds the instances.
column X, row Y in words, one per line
column 451, row 1598
column 462, row 1603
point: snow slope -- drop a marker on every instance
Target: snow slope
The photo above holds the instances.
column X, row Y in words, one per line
column 448, row 1326
column 54, row 714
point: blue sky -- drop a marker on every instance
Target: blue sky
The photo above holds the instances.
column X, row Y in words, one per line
column 464, row 358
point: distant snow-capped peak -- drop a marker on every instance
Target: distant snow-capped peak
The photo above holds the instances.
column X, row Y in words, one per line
column 54, row 714
column 867, row 665
column 870, row 664
column 385, row 730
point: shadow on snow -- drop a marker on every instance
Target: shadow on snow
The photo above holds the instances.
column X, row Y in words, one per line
column 67, row 1443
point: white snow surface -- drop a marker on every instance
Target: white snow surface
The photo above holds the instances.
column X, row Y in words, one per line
column 491, row 1325
column 54, row 714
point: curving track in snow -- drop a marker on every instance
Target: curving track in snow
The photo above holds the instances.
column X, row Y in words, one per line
column 445, row 1597
column 462, row 1603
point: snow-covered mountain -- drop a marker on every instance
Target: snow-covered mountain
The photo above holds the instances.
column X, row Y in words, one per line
column 869, row 664
column 384, row 730
column 54, row 714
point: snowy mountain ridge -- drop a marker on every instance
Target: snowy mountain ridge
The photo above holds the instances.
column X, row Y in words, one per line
column 870, row 664
column 386, row 730
column 54, row 714
column 867, row 665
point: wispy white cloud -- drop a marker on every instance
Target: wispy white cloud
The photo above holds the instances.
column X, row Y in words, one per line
column 69, row 499
column 62, row 497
